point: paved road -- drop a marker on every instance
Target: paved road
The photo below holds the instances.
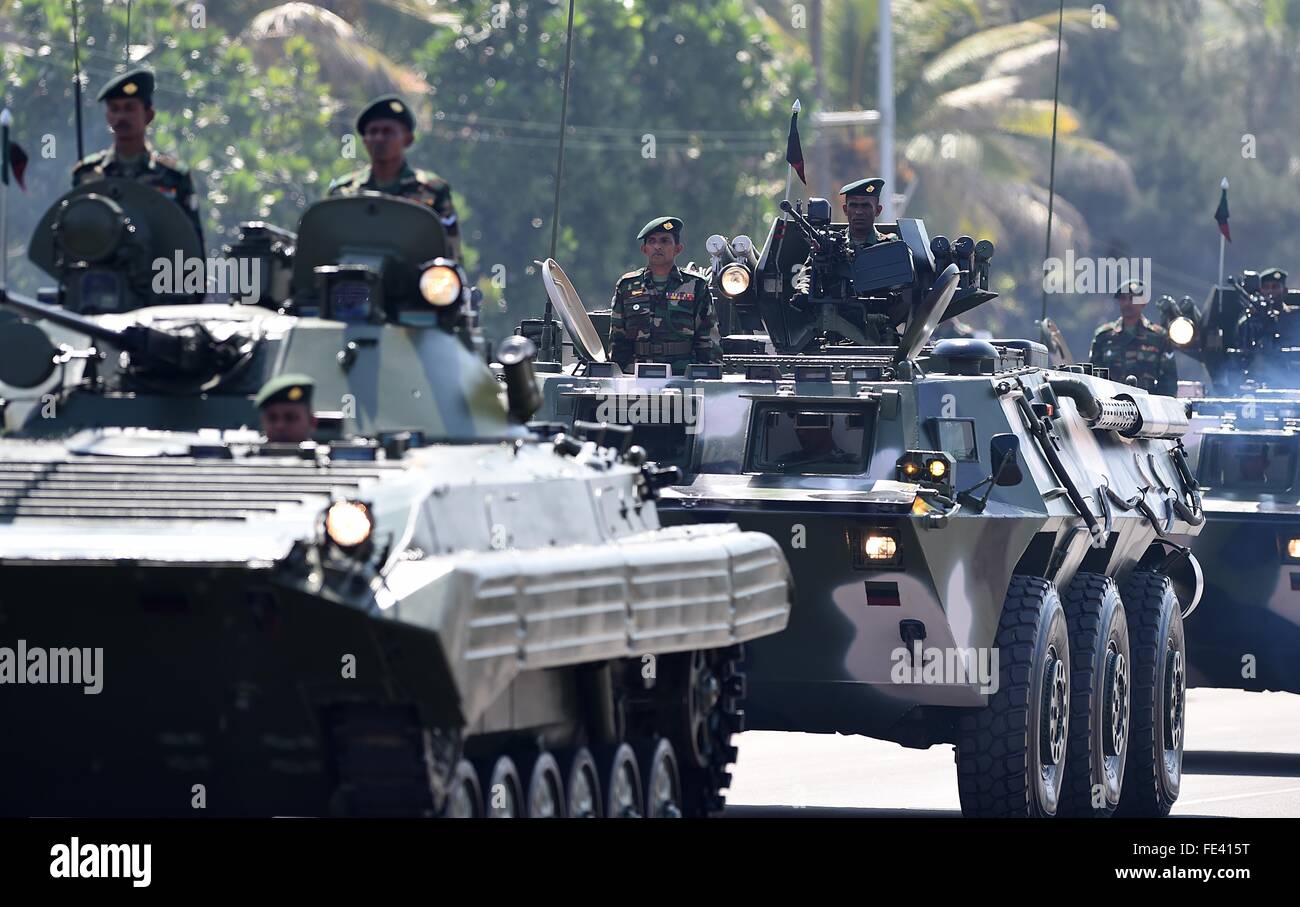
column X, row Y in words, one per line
column 1242, row 759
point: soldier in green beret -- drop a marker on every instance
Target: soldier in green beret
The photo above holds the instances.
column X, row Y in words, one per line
column 387, row 128
column 128, row 108
column 1131, row 346
column 284, row 405
column 1272, row 283
column 663, row 313
column 861, row 208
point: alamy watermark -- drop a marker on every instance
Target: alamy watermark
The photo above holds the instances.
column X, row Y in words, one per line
column 637, row 408
column 239, row 278
column 1086, row 275
column 945, row 665
column 38, row 665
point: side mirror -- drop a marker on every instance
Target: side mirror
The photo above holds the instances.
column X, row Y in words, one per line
column 1003, row 450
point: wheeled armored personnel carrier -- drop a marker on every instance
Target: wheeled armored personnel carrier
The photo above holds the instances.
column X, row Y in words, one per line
column 427, row 609
column 987, row 552
column 1243, row 449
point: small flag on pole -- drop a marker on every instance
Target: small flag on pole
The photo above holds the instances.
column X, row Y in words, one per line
column 12, row 156
column 793, row 150
column 1221, row 213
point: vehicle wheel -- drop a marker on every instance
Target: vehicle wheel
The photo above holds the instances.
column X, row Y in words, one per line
column 544, row 793
column 464, row 796
column 662, row 790
column 502, row 793
column 1011, row 753
column 1159, row 697
column 581, row 784
column 714, row 687
column 1099, row 696
column 621, row 782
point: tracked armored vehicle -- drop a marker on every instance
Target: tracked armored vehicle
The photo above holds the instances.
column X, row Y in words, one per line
column 987, row 552
column 427, row 609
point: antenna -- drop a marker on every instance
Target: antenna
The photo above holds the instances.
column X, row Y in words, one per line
column 76, row 78
column 1051, row 178
column 548, row 318
column 127, row 49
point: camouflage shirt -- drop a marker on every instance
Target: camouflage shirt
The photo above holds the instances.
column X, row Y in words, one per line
column 674, row 323
column 1143, row 350
column 421, row 186
column 161, row 171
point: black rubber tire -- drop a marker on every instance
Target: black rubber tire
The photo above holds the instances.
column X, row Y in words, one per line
column 544, row 770
column 1000, row 769
column 1155, row 759
column 574, row 764
column 610, row 761
column 470, row 806
column 503, row 793
column 1099, row 696
column 655, row 757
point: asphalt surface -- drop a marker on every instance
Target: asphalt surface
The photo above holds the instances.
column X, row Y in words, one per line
column 1242, row 759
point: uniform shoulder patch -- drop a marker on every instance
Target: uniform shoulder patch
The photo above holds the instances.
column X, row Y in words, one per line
column 430, row 179
column 90, row 160
column 696, row 272
column 629, row 275
column 344, row 181
column 1156, row 329
column 1105, row 328
column 171, row 163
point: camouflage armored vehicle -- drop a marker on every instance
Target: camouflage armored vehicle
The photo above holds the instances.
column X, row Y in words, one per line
column 1243, row 449
column 986, row 551
column 426, row 610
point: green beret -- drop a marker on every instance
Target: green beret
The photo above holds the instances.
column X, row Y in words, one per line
column 872, row 187
column 138, row 83
column 1273, row 274
column 389, row 107
column 286, row 389
column 669, row 225
column 1132, row 288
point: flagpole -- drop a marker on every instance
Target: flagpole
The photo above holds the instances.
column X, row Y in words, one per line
column 789, row 168
column 1222, row 239
column 6, row 119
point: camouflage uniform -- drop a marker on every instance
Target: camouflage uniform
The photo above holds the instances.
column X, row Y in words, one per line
column 674, row 324
column 161, row 171
column 421, row 186
column 1143, row 350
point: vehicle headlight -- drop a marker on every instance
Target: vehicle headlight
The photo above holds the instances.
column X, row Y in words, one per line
column 440, row 285
column 937, row 469
column 879, row 546
column 1293, row 549
column 734, row 280
column 348, row 523
column 1181, row 330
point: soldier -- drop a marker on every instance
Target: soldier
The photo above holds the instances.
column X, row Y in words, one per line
column 128, row 101
column 1272, row 283
column 1133, row 346
column 387, row 128
column 861, row 208
column 662, row 313
column 284, row 405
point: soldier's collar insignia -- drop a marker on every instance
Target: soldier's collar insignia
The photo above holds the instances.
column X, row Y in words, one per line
column 130, row 88
column 295, row 394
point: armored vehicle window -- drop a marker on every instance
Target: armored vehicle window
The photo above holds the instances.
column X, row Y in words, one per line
column 791, row 439
column 955, row 436
column 663, row 424
column 1254, row 463
column 350, row 301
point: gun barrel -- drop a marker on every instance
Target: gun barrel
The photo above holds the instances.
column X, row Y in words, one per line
column 61, row 317
column 806, row 227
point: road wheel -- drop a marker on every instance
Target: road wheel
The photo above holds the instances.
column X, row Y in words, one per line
column 464, row 796
column 544, row 794
column 1159, row 697
column 581, row 784
column 713, row 687
column 502, row 793
column 1011, row 753
column 621, row 782
column 662, row 779
column 1099, row 696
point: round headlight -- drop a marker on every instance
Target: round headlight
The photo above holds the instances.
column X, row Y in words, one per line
column 938, row 469
column 440, row 285
column 879, row 547
column 1181, row 330
column 734, row 280
column 348, row 523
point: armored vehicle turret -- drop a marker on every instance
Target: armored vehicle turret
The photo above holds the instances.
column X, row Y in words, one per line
column 987, row 552
column 427, row 608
